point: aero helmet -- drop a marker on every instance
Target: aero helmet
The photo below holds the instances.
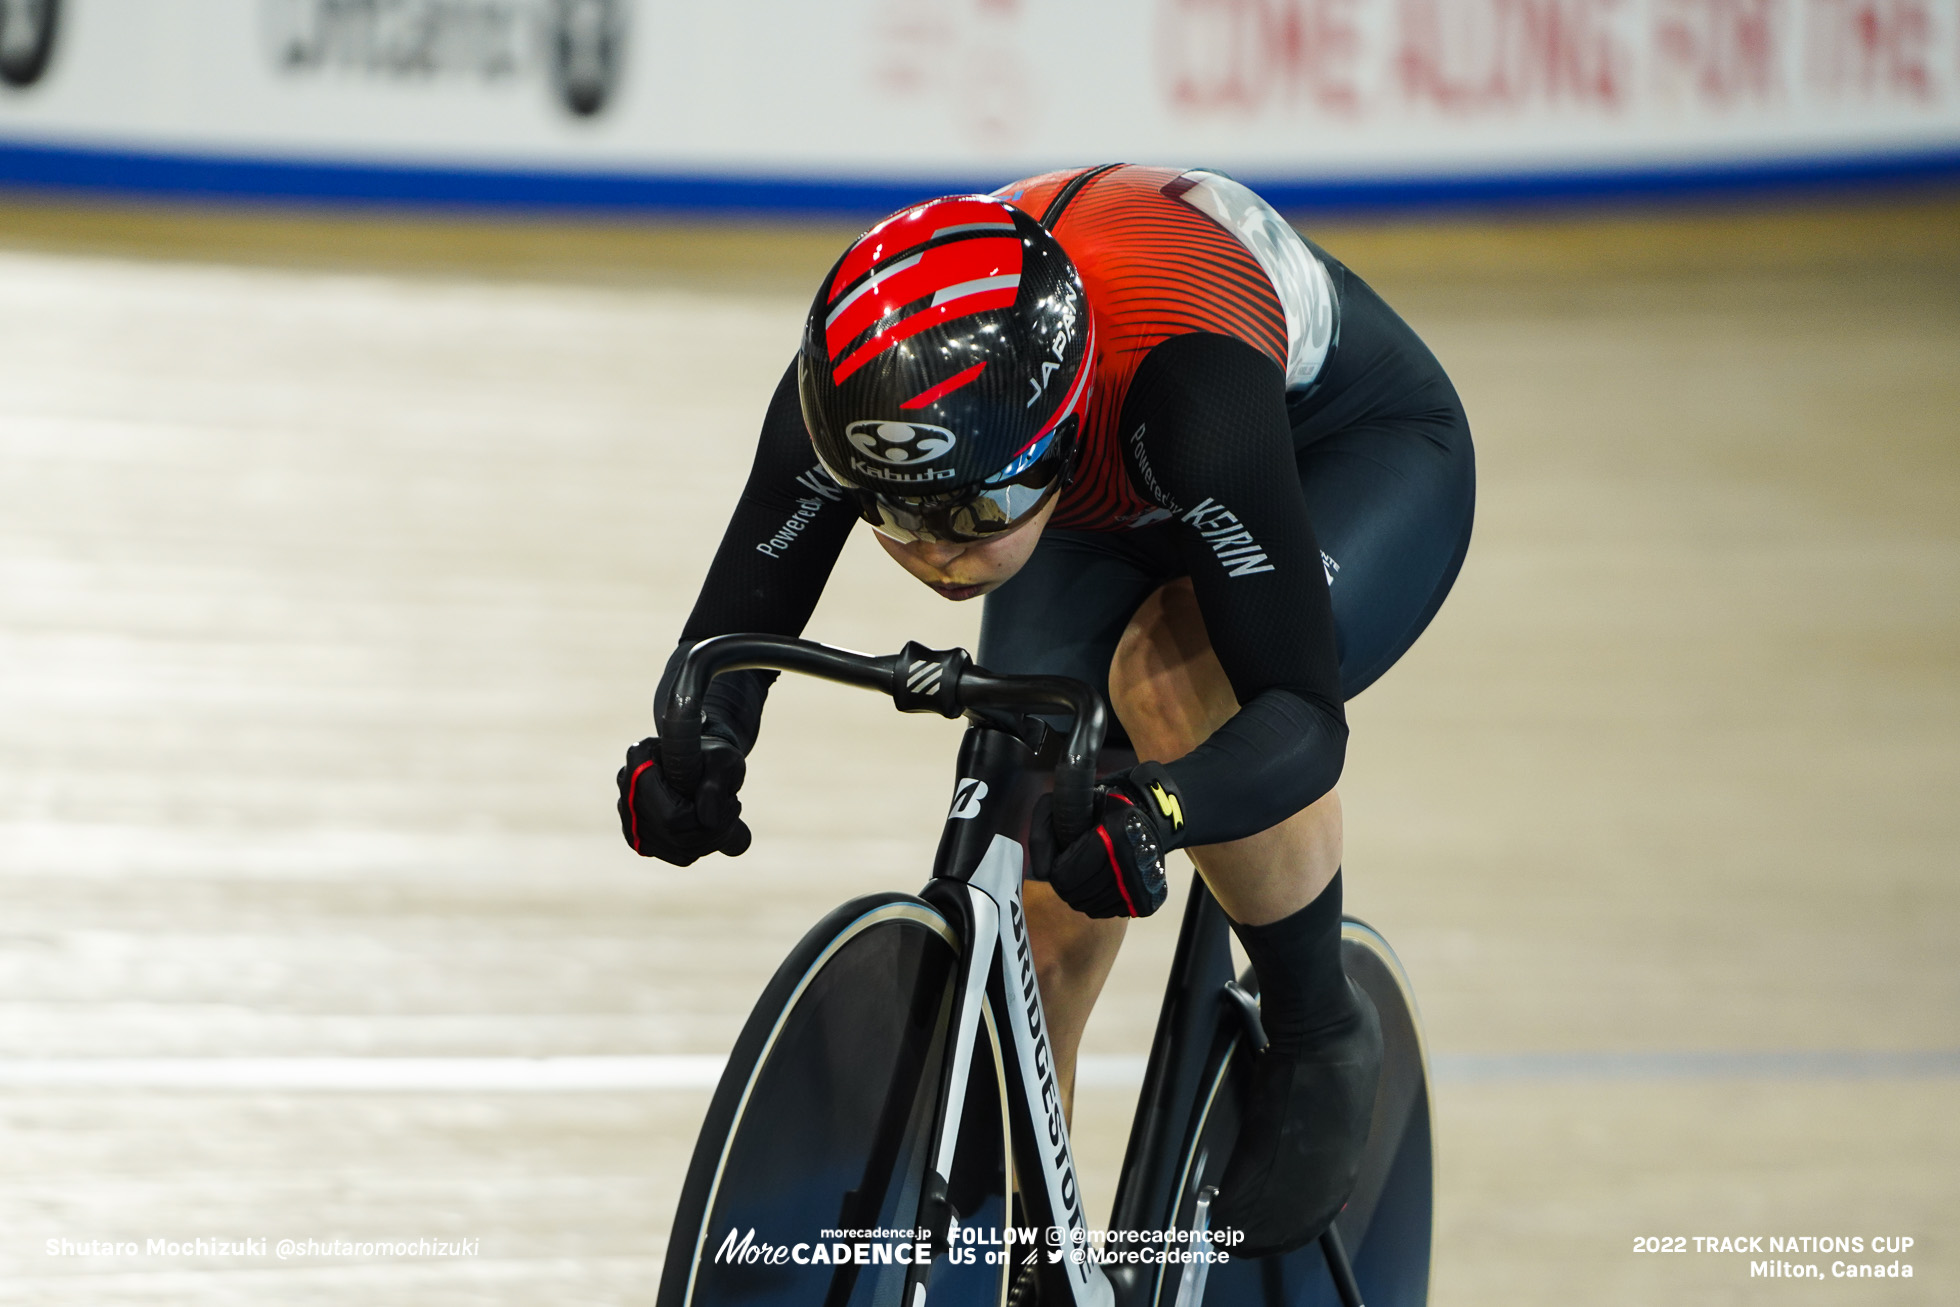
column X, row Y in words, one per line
column 943, row 367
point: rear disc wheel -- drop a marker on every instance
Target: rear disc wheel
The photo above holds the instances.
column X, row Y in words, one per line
column 1386, row 1224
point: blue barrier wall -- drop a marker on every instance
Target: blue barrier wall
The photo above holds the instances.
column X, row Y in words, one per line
column 858, row 106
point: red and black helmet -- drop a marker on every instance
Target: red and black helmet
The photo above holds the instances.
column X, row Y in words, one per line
column 944, row 364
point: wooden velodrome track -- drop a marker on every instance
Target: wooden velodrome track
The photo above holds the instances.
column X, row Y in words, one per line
column 340, row 556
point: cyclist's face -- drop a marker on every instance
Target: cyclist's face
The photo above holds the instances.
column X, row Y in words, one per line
column 969, row 571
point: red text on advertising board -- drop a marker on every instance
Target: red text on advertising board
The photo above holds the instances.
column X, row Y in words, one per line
column 1242, row 55
column 1872, row 49
column 1465, row 55
column 1722, row 51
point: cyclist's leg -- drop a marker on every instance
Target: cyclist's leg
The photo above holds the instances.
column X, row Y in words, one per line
column 1073, row 955
column 1170, row 693
column 1392, row 506
column 1062, row 614
column 1064, row 611
column 1396, row 503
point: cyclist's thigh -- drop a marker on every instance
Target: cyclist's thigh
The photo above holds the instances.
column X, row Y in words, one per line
column 1391, row 503
column 1064, row 611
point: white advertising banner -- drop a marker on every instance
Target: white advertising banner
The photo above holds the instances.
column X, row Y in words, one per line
column 786, row 98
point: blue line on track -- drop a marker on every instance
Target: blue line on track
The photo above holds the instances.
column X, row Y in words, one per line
column 162, row 174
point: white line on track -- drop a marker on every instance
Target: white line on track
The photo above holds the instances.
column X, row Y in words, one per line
column 1705, row 1064
column 701, row 1071
column 387, row 1074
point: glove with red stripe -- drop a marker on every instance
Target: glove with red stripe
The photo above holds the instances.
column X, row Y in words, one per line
column 1116, row 869
column 659, row 822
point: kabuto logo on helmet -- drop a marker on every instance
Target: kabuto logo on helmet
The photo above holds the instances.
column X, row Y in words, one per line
column 899, row 442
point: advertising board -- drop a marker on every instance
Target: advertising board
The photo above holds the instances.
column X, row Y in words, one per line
column 861, row 103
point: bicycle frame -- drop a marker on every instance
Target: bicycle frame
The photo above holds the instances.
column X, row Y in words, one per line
column 977, row 879
column 976, row 883
column 1005, row 761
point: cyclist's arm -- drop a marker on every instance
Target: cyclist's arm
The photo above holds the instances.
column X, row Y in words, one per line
column 1207, row 435
column 789, row 526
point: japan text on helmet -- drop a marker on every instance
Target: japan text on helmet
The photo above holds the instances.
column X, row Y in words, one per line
column 944, row 364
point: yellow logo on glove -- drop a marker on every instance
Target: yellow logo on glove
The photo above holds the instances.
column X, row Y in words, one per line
column 1167, row 804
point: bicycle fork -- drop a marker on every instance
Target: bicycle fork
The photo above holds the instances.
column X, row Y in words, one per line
column 999, row 960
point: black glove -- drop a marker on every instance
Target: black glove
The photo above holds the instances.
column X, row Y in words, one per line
column 1116, row 868
column 661, row 823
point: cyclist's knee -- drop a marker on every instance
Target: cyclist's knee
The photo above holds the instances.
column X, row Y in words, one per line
column 1071, row 952
column 1165, row 684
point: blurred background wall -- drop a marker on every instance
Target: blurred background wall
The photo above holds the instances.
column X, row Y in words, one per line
column 862, row 104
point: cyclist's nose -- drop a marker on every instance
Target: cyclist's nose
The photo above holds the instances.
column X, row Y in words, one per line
column 938, row 554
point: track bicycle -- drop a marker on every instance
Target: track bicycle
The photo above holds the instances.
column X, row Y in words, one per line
column 888, row 1130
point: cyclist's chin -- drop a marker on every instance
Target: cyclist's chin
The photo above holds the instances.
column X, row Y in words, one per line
column 960, row 593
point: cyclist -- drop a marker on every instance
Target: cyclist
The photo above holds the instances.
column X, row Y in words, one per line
column 1187, row 456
